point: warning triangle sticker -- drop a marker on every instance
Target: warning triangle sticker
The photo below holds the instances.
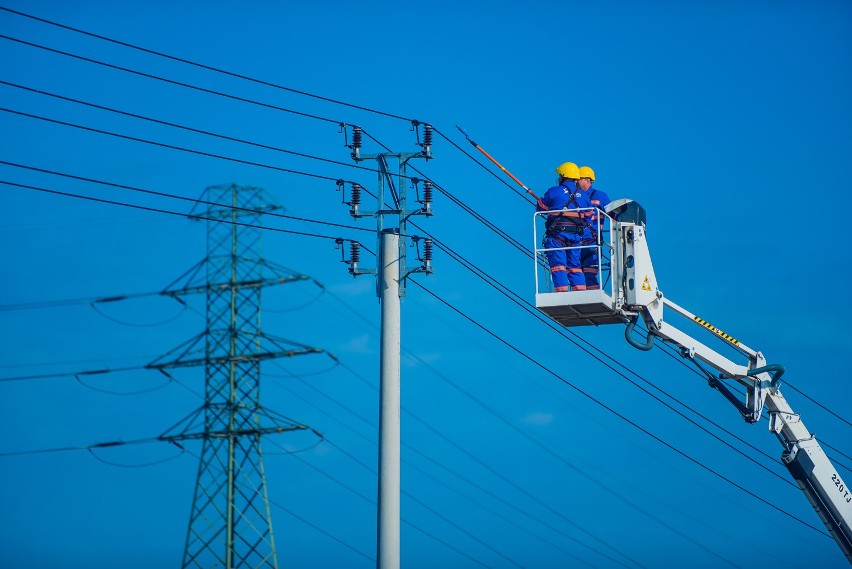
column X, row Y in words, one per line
column 646, row 285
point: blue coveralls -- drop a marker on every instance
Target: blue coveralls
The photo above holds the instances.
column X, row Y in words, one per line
column 589, row 256
column 566, row 228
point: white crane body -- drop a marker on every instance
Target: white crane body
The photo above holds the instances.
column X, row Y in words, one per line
column 630, row 292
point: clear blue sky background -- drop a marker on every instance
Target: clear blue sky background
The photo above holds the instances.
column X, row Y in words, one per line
column 729, row 121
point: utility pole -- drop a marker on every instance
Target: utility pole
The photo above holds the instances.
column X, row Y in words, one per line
column 391, row 271
column 230, row 522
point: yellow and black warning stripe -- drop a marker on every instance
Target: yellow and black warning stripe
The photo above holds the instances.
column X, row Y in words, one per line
column 716, row 331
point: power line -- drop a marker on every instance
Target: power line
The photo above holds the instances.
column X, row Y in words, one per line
column 115, row 443
column 817, row 403
column 207, row 67
column 442, row 466
column 483, row 166
column 169, row 81
column 373, row 502
column 194, row 201
column 613, row 411
column 536, row 442
column 399, row 117
column 169, row 146
column 158, row 210
column 186, row 128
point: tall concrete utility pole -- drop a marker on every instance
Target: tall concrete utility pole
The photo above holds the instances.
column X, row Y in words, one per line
column 230, row 524
column 391, row 271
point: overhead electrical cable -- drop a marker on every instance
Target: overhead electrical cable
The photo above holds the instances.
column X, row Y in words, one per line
column 439, row 464
column 483, row 166
column 107, row 444
column 169, row 212
column 432, row 510
column 520, row 247
column 203, row 66
column 680, row 359
column 165, row 80
column 560, row 330
column 817, row 403
column 613, row 411
column 188, row 128
column 369, row 500
column 527, row 495
column 186, row 199
column 173, row 147
column 399, row 117
column 549, row 450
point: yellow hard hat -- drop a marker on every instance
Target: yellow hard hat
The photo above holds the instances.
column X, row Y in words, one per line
column 569, row 170
column 586, row 172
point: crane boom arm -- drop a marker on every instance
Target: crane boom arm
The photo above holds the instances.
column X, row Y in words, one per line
column 638, row 296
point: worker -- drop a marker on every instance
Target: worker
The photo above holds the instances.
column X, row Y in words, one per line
column 589, row 255
column 565, row 227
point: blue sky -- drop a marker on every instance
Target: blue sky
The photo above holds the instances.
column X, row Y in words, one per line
column 729, row 122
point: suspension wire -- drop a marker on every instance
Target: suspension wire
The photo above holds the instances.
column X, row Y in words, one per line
column 177, row 213
column 188, row 128
column 183, row 198
column 143, row 465
column 427, row 507
column 502, row 477
column 13, row 39
column 574, row 339
column 817, row 403
column 124, row 393
column 373, row 502
column 208, row 67
column 72, row 373
column 470, row 267
column 673, row 353
column 514, row 427
column 74, row 301
column 173, row 147
column 137, row 325
column 248, row 78
column 603, row 353
column 443, row 467
column 464, row 451
column 115, row 443
column 613, row 411
column 483, row 166
column 169, row 81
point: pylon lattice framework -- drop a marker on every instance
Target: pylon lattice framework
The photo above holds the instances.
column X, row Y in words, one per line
column 230, row 522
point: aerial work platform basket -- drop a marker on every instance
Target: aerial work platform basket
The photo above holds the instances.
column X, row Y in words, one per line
column 596, row 306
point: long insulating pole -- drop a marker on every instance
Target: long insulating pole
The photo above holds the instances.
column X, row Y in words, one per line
column 389, row 436
column 503, row 168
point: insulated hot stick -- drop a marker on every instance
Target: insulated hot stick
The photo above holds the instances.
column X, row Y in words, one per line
column 475, row 145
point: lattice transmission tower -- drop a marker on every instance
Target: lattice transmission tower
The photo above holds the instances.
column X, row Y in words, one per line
column 230, row 523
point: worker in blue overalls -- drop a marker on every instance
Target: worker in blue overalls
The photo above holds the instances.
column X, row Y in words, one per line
column 565, row 227
column 589, row 259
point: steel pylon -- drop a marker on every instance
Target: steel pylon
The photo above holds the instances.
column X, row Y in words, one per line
column 230, row 523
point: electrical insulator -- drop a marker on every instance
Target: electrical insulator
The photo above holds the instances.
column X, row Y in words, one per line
column 356, row 142
column 427, row 138
column 354, row 256
column 427, row 197
column 356, row 198
column 427, row 255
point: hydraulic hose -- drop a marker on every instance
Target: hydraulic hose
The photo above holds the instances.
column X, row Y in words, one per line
column 628, row 334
